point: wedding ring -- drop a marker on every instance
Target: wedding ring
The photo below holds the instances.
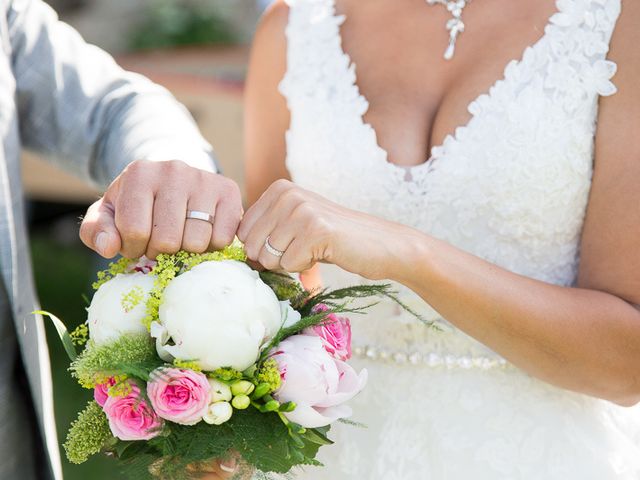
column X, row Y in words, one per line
column 270, row 249
column 197, row 215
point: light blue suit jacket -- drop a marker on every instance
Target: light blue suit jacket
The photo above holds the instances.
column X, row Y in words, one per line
column 71, row 102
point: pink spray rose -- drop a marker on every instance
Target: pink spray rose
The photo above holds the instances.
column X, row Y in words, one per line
column 101, row 391
column 335, row 333
column 179, row 395
column 318, row 383
column 131, row 417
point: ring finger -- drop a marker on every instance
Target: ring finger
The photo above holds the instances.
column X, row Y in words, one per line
column 274, row 246
column 197, row 232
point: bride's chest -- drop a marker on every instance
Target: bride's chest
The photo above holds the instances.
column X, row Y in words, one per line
column 511, row 185
column 415, row 96
column 524, row 153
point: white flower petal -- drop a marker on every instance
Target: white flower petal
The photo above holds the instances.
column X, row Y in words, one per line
column 310, row 417
column 118, row 307
column 162, row 337
column 219, row 314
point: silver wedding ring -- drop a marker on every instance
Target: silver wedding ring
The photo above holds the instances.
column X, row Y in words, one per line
column 197, row 215
column 270, row 249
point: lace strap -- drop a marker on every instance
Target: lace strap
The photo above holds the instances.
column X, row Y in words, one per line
column 581, row 37
column 313, row 40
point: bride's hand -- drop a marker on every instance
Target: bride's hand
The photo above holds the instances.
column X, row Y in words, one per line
column 308, row 229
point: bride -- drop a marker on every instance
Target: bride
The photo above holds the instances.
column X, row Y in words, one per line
column 518, row 236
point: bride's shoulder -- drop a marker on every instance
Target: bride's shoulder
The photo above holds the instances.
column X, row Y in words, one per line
column 276, row 15
column 269, row 37
column 267, row 64
column 626, row 35
column 624, row 52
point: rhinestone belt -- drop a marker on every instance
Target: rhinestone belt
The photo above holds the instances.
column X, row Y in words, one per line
column 430, row 359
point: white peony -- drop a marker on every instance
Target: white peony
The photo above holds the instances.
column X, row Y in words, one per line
column 289, row 314
column 119, row 306
column 218, row 314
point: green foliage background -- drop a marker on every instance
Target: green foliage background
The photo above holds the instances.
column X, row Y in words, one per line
column 171, row 23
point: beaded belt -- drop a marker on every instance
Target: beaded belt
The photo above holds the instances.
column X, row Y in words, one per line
column 431, row 359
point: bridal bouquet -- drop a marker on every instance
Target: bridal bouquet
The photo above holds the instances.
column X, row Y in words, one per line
column 195, row 357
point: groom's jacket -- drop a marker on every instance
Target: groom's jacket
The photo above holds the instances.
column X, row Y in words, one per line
column 71, row 102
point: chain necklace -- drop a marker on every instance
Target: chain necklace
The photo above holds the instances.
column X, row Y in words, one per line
column 455, row 25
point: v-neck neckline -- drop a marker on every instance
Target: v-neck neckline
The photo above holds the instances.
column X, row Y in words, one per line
column 508, row 70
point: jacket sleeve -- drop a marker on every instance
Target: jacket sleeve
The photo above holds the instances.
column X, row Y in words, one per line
column 84, row 112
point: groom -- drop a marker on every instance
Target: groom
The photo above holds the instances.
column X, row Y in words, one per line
column 69, row 100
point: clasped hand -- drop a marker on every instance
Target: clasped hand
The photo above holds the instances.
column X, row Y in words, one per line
column 143, row 212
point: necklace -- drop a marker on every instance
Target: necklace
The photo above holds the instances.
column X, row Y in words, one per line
column 455, row 25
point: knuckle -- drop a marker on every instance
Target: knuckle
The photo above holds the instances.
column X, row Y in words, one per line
column 174, row 166
column 131, row 250
column 291, row 195
column 221, row 240
column 195, row 246
column 165, row 244
column 303, row 211
column 134, row 233
column 228, row 190
column 281, row 186
column 136, row 167
column 132, row 230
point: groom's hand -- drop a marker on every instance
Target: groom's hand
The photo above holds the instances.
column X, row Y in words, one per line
column 143, row 212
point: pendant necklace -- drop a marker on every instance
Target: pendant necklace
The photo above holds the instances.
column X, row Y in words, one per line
column 455, row 25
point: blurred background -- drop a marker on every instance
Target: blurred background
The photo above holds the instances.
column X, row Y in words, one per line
column 198, row 49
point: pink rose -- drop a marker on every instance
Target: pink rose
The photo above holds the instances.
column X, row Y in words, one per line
column 101, row 391
column 131, row 417
column 179, row 395
column 335, row 333
column 318, row 383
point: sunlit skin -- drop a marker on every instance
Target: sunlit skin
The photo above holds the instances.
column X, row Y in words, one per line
column 585, row 339
column 143, row 211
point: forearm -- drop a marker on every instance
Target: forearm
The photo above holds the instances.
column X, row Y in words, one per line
column 583, row 340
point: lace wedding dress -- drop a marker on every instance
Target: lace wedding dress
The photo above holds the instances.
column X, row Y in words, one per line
column 511, row 187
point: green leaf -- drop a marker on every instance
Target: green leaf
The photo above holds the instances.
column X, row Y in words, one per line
column 140, row 371
column 316, row 436
column 63, row 333
column 120, row 448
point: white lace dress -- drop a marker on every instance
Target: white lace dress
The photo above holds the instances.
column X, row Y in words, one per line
column 511, row 187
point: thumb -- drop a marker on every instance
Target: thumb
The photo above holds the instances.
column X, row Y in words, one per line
column 98, row 229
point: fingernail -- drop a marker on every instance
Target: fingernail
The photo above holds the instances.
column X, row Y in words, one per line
column 229, row 467
column 102, row 240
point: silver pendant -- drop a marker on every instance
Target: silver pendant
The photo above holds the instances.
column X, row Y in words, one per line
column 455, row 25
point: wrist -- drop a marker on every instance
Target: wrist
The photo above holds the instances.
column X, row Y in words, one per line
column 410, row 253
